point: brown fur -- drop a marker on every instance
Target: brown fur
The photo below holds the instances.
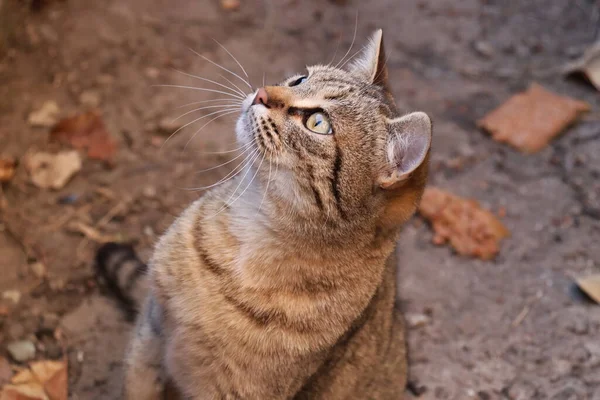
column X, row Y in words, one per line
column 289, row 293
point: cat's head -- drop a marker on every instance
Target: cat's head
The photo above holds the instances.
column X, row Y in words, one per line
column 334, row 146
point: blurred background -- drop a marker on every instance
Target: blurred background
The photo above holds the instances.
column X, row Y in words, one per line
column 85, row 75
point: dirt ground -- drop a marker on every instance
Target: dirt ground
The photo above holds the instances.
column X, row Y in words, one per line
column 511, row 328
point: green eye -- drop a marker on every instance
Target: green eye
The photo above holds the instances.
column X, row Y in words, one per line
column 318, row 123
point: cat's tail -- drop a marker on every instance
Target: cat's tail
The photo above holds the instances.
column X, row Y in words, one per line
column 124, row 274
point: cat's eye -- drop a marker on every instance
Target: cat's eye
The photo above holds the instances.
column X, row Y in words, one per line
column 318, row 123
column 298, row 81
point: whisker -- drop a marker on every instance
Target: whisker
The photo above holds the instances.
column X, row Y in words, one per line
column 236, row 86
column 267, row 188
column 352, row 57
column 234, row 59
column 202, row 89
column 207, row 80
column 351, row 44
column 229, row 176
column 222, row 164
column 337, row 47
column 203, row 126
column 224, row 107
column 226, row 204
column 191, row 122
column 242, row 180
column 223, row 68
column 228, row 151
column 233, row 101
column 249, row 160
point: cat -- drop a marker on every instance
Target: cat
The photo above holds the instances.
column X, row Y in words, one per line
column 289, row 291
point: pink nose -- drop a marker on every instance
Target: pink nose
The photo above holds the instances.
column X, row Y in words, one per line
column 261, row 97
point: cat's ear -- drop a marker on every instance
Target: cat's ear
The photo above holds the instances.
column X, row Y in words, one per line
column 409, row 140
column 372, row 62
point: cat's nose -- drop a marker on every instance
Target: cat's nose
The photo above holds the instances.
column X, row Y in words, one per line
column 261, row 98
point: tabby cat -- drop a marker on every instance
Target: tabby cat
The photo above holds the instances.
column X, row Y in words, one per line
column 289, row 291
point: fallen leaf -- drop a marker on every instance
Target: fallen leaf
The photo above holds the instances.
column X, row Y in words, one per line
column 470, row 229
column 529, row 120
column 590, row 286
column 587, row 66
column 44, row 380
column 52, row 171
column 86, row 131
column 46, row 116
column 7, row 169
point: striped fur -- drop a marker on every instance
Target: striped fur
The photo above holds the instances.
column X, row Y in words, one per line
column 287, row 293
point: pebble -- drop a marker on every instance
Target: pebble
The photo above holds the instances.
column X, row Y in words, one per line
column 90, row 98
column 149, row 191
column 38, row 270
column 12, row 295
column 230, row 5
column 484, row 48
column 46, row 116
column 152, row 72
column 21, row 351
column 417, row 320
column 167, row 126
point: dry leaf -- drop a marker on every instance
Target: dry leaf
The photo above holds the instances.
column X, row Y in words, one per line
column 471, row 230
column 588, row 65
column 86, row 131
column 44, row 380
column 52, row 170
column 7, row 169
column 591, row 286
column 529, row 120
column 46, row 116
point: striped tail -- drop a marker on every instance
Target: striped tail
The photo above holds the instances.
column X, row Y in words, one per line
column 123, row 274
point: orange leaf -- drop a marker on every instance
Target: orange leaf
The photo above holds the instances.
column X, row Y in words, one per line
column 86, row 131
column 529, row 120
column 470, row 229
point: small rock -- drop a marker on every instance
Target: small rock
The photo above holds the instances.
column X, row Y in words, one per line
column 38, row 270
column 90, row 98
column 417, row 320
column 230, row 5
column 152, row 73
column 5, row 371
column 46, row 116
column 484, row 48
column 167, row 126
column 149, row 191
column 12, row 295
column 21, row 351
